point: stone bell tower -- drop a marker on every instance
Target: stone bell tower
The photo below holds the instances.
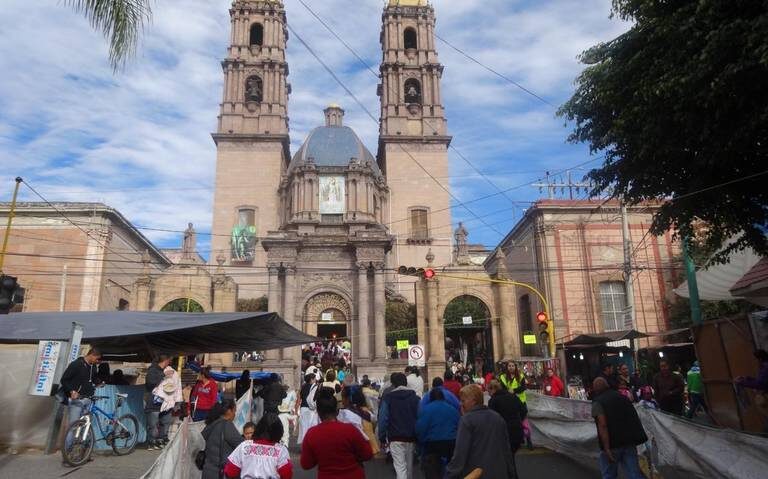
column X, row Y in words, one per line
column 252, row 137
column 413, row 134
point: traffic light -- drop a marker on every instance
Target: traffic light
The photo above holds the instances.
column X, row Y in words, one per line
column 10, row 293
column 424, row 273
column 546, row 334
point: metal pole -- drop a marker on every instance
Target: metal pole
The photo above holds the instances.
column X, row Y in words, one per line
column 693, row 286
column 629, row 318
column 63, row 293
column 11, row 214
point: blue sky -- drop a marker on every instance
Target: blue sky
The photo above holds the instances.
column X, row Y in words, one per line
column 139, row 140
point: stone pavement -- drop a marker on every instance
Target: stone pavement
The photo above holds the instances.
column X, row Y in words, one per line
column 531, row 464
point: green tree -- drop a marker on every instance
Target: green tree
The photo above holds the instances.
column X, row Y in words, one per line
column 120, row 21
column 180, row 306
column 465, row 306
column 679, row 107
column 253, row 305
column 399, row 316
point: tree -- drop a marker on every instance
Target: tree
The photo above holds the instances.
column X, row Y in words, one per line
column 465, row 306
column 120, row 21
column 183, row 305
column 679, row 107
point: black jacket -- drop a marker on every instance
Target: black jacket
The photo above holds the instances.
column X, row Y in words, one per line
column 154, row 377
column 221, row 438
column 510, row 408
column 273, row 394
column 482, row 441
column 624, row 426
column 79, row 376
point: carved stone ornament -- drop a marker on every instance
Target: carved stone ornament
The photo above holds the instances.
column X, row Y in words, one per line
column 320, row 255
column 369, row 254
column 311, row 280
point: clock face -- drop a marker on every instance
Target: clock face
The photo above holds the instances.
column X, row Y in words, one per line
column 477, row 260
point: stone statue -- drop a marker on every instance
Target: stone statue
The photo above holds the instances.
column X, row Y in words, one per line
column 189, row 244
column 412, row 94
column 461, row 248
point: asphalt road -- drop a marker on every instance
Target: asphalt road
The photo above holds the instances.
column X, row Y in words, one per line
column 531, row 464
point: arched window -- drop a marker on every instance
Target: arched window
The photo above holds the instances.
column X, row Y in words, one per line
column 412, row 91
column 254, row 90
column 613, row 304
column 257, row 34
column 410, row 39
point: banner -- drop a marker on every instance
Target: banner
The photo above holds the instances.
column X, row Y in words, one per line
column 244, row 409
column 332, row 195
column 48, row 355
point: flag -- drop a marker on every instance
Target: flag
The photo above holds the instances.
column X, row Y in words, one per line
column 244, row 409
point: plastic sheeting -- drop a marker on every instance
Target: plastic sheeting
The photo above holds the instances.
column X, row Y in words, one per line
column 680, row 448
column 177, row 461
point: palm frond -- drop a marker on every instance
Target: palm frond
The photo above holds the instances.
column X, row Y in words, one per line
column 120, row 21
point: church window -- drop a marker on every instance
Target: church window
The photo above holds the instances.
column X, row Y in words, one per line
column 254, row 90
column 412, row 91
column 246, row 217
column 257, row 34
column 613, row 304
column 410, row 39
column 419, row 224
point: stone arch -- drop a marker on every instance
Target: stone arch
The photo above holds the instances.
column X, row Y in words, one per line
column 203, row 302
column 472, row 343
column 483, row 296
column 324, row 299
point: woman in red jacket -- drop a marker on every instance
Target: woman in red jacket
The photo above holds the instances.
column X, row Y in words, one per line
column 553, row 386
column 205, row 394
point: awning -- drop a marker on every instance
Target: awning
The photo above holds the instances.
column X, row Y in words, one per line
column 611, row 336
column 140, row 335
column 716, row 282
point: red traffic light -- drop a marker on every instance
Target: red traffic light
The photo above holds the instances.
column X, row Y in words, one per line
column 541, row 317
column 429, row 273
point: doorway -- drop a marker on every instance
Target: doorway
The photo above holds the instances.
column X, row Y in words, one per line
column 332, row 331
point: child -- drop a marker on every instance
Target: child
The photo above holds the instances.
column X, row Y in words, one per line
column 263, row 456
column 248, row 430
column 646, row 393
column 169, row 390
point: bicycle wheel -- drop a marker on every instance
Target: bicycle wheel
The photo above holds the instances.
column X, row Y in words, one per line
column 125, row 434
column 78, row 443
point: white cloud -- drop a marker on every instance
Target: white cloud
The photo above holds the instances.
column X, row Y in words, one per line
column 139, row 140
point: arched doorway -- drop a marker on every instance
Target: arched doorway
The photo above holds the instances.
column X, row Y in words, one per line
column 183, row 305
column 327, row 315
column 467, row 322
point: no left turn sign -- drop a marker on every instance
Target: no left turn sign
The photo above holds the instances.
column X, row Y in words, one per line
column 416, row 355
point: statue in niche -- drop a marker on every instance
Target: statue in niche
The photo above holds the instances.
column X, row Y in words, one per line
column 253, row 89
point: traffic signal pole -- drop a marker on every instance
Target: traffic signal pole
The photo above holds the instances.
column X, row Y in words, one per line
column 10, row 223
column 550, row 323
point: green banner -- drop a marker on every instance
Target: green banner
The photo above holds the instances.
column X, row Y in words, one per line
column 243, row 243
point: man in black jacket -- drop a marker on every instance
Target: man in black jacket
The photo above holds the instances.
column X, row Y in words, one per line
column 157, row 424
column 78, row 383
column 510, row 408
column 619, row 431
column 272, row 394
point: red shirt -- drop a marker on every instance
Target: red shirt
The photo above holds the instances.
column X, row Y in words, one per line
column 206, row 395
column 453, row 386
column 337, row 448
column 556, row 386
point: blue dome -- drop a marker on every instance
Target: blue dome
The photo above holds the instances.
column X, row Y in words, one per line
column 333, row 146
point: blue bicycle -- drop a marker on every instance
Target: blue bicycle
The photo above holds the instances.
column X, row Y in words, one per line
column 121, row 433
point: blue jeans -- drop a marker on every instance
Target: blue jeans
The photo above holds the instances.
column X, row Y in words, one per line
column 627, row 458
column 157, row 425
column 75, row 409
column 696, row 401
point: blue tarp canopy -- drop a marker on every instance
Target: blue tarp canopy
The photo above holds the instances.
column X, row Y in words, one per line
column 222, row 377
column 134, row 335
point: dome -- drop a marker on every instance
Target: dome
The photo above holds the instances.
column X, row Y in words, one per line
column 333, row 144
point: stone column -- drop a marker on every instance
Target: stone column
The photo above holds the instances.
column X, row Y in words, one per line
column 379, row 307
column 293, row 353
column 362, row 344
column 507, row 322
column 436, row 349
column 273, row 297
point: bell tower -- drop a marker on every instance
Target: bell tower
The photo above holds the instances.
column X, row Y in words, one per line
column 252, row 136
column 413, row 133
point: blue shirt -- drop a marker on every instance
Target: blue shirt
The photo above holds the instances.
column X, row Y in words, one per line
column 437, row 421
column 450, row 398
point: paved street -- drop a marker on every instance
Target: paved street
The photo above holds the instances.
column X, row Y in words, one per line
column 531, row 464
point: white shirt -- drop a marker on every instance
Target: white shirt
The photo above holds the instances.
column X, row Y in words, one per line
column 259, row 460
column 416, row 383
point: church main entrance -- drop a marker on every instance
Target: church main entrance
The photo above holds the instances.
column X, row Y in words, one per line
column 327, row 315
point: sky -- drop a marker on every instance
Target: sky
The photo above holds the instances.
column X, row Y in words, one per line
column 139, row 139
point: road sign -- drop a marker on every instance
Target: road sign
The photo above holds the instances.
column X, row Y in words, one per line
column 402, row 344
column 416, row 355
column 466, row 320
column 529, row 339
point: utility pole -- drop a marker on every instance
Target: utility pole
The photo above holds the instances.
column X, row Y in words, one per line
column 11, row 214
column 63, row 293
column 629, row 315
column 552, row 184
